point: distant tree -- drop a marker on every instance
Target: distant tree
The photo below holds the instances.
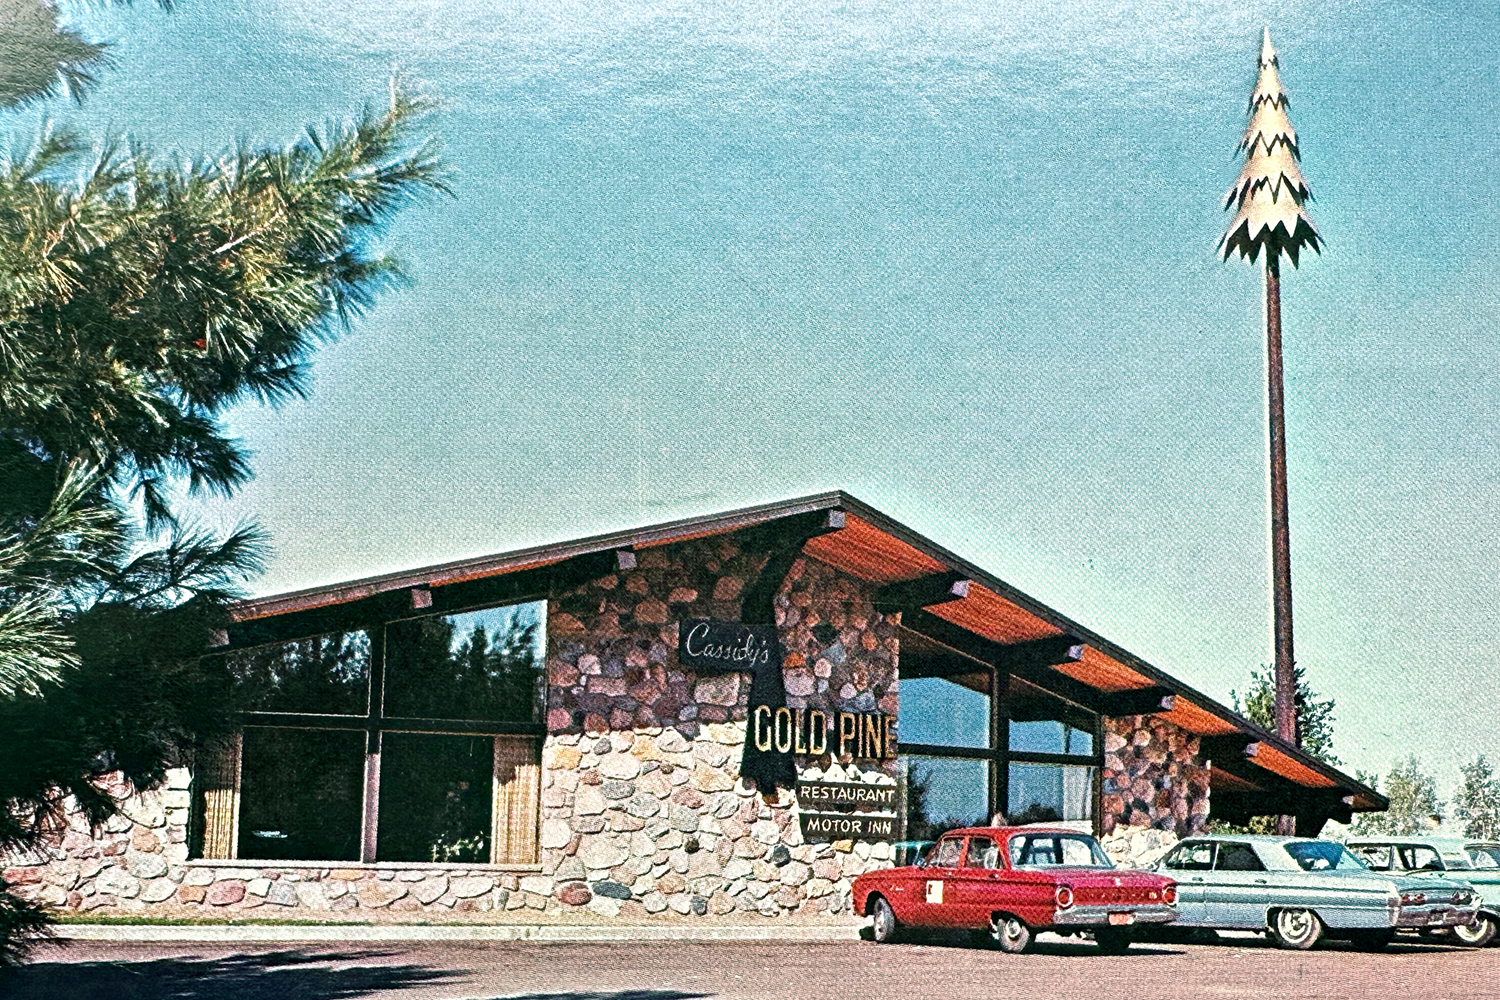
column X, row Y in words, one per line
column 1477, row 804
column 1314, row 715
column 1413, row 797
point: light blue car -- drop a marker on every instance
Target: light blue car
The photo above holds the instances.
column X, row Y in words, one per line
column 1299, row 890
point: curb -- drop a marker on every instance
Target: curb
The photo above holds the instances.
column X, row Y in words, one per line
column 445, row 932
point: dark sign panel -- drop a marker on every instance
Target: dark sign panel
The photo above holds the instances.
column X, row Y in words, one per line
column 708, row 646
column 815, row 795
column 775, row 732
column 848, row 826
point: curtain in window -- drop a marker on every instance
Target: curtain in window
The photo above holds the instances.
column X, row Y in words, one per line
column 219, row 777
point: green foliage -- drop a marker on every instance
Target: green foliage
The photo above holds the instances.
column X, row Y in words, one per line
column 1413, row 797
column 1477, row 804
column 1314, row 715
column 139, row 300
column 38, row 58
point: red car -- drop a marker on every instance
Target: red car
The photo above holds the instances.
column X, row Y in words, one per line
column 1015, row 882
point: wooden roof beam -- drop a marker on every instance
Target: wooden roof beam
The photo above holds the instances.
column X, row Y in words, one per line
column 1227, row 747
column 782, row 540
column 1030, row 661
column 1140, row 701
column 923, row 592
column 534, row 584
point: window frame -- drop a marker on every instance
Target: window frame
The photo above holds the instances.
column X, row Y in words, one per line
column 998, row 754
column 374, row 723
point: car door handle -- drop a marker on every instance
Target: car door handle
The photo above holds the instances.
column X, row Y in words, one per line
column 1197, row 878
column 1260, row 881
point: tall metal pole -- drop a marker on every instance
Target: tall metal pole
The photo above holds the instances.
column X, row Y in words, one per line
column 1281, row 544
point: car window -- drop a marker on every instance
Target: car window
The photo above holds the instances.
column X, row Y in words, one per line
column 1414, row 858
column 1322, row 856
column 1052, row 849
column 982, row 853
column 945, row 854
column 1238, row 858
column 1485, row 857
column 1377, row 857
column 1194, row 856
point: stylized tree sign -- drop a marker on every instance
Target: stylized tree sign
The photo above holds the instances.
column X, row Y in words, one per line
column 1270, row 199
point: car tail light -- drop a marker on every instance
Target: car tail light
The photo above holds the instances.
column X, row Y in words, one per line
column 1064, row 897
column 1463, row 897
column 1413, row 898
column 1169, row 894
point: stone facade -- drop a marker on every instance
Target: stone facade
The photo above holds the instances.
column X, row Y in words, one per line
column 642, row 806
column 642, row 810
column 1153, row 787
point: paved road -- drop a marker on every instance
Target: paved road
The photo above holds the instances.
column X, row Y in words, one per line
column 1244, row 970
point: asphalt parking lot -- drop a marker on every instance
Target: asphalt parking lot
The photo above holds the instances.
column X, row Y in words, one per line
column 940, row 970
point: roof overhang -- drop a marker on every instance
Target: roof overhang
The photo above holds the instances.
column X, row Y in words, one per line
column 945, row 597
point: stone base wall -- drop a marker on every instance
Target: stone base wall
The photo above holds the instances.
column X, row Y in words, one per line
column 642, row 807
column 1154, row 787
column 140, row 861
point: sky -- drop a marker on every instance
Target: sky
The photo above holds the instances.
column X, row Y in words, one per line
column 956, row 258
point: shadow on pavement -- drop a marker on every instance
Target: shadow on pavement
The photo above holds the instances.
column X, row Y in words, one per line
column 281, row 975
column 621, row 995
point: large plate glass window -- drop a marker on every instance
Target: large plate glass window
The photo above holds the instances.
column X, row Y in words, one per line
column 319, row 675
column 300, row 794
column 944, row 793
column 411, row 741
column 1049, row 793
column 479, row 665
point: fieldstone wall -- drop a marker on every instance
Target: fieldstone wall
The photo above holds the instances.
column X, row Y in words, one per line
column 642, row 805
column 1154, row 788
column 139, row 861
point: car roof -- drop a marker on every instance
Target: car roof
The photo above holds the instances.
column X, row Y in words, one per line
column 1440, row 843
column 1257, row 838
column 1006, row 831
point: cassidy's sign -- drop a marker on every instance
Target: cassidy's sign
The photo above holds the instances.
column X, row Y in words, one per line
column 775, row 732
column 706, row 646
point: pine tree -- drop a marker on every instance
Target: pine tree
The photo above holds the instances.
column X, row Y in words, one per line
column 139, row 301
column 1314, row 715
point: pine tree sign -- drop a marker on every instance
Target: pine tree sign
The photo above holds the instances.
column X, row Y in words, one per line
column 1269, row 199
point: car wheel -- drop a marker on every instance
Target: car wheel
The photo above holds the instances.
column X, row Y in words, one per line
column 1296, row 928
column 1010, row 934
column 1477, row 934
column 1372, row 940
column 885, row 926
column 1112, row 941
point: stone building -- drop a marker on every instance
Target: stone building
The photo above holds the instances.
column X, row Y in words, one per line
column 573, row 729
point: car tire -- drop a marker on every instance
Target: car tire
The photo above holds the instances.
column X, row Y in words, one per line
column 1011, row 934
column 1296, row 928
column 1112, row 941
column 1372, row 940
column 1477, row 935
column 884, row 926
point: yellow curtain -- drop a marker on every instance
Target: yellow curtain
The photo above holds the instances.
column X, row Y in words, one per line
column 517, row 808
column 219, row 778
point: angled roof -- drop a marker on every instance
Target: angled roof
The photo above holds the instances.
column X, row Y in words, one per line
column 878, row 549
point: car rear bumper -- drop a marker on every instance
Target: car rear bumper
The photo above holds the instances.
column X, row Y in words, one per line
column 1098, row 916
column 1440, row 915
